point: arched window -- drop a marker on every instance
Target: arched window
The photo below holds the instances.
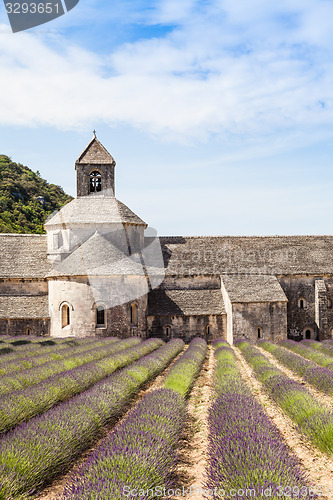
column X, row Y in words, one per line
column 308, row 333
column 167, row 331
column 259, row 331
column 100, row 315
column 95, row 182
column 65, row 316
column 208, row 329
column 28, row 331
column 302, row 303
column 134, row 314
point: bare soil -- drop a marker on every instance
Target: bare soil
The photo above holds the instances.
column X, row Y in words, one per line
column 194, row 442
column 318, row 466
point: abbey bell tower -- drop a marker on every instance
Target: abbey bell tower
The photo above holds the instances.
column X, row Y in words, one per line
column 95, row 171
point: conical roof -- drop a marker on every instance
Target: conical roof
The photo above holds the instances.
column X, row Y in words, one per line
column 95, row 154
column 94, row 209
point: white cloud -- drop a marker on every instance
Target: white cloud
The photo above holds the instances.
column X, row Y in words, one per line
column 230, row 68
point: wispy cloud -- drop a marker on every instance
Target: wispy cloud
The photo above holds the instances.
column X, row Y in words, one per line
column 232, row 69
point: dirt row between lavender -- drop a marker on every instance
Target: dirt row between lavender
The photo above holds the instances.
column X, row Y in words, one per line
column 193, row 446
column 318, row 466
column 55, row 490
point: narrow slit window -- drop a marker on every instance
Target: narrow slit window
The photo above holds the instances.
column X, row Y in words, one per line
column 302, row 303
column 167, row 330
column 65, row 316
column 134, row 314
column 259, row 333
column 100, row 316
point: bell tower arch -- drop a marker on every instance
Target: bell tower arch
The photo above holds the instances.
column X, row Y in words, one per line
column 95, row 171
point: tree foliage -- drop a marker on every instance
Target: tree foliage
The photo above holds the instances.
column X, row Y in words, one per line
column 20, row 209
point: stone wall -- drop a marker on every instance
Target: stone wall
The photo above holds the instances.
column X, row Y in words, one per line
column 270, row 317
column 38, row 327
column 17, row 286
column 83, row 295
column 187, row 327
column 303, row 319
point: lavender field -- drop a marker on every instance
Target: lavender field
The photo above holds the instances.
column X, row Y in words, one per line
column 110, row 419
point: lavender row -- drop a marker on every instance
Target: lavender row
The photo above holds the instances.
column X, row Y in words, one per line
column 37, row 451
column 314, row 419
column 246, row 451
column 325, row 348
column 34, row 349
column 32, row 376
column 183, row 373
column 141, row 452
column 318, row 376
column 15, row 345
column 311, row 354
column 43, row 346
column 22, row 405
column 31, row 361
column 219, row 343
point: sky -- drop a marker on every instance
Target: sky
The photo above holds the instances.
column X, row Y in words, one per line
column 218, row 113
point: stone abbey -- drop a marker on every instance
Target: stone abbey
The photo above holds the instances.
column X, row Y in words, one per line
column 99, row 270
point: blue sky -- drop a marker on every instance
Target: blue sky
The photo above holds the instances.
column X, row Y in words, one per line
column 218, row 113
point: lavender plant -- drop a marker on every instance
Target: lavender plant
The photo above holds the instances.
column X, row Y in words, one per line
column 140, row 454
column 314, row 419
column 22, row 405
column 319, row 377
column 32, row 376
column 219, row 343
column 183, row 373
column 49, row 354
column 38, row 450
column 306, row 352
column 325, row 348
column 246, row 451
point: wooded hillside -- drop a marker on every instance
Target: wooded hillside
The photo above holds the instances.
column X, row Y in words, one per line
column 26, row 200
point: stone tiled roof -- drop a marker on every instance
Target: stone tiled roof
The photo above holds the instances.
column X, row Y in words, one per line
column 95, row 154
column 275, row 255
column 23, row 256
column 253, row 288
column 23, row 307
column 185, row 302
column 98, row 257
column 94, row 209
